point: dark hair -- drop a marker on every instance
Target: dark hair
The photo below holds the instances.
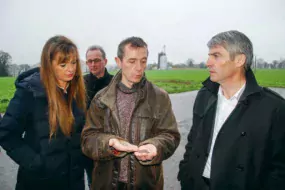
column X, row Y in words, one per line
column 135, row 42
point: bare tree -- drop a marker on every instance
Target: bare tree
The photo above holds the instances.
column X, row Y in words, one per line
column 260, row 63
column 275, row 64
column 5, row 61
column 14, row 70
column 202, row 65
column 282, row 64
column 190, row 62
column 23, row 68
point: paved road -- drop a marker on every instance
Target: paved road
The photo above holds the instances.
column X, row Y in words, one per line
column 182, row 106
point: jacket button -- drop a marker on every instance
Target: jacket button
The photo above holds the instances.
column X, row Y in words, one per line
column 197, row 156
column 63, row 173
column 243, row 134
column 240, row 168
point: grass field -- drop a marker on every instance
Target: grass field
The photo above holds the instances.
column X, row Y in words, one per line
column 173, row 81
column 7, row 89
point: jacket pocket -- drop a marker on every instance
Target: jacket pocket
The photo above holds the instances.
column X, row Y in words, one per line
column 149, row 176
column 143, row 128
column 36, row 164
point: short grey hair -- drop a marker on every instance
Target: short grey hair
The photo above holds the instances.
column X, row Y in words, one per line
column 235, row 43
column 96, row 47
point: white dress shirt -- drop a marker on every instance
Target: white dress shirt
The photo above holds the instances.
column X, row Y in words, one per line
column 224, row 109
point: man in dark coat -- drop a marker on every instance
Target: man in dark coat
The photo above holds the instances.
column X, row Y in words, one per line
column 98, row 78
column 237, row 141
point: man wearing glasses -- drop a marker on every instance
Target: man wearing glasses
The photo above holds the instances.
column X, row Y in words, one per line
column 98, row 78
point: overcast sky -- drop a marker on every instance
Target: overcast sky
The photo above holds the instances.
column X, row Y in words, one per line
column 184, row 26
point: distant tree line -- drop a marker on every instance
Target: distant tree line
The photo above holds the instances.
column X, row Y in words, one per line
column 257, row 63
column 9, row 69
column 189, row 63
column 261, row 64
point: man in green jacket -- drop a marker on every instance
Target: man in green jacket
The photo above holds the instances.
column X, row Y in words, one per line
column 130, row 127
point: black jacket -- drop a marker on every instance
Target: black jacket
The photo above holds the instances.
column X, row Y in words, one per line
column 249, row 151
column 94, row 85
column 44, row 163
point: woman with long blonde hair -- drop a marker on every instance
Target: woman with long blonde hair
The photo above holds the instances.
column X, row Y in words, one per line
column 42, row 125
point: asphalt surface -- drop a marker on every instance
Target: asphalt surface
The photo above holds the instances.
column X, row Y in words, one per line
column 182, row 105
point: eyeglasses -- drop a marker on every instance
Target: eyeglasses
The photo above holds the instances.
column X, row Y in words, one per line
column 96, row 60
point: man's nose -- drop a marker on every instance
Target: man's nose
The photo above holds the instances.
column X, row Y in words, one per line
column 209, row 62
column 139, row 66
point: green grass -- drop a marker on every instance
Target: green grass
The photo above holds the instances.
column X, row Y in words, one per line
column 271, row 78
column 173, row 81
column 7, row 89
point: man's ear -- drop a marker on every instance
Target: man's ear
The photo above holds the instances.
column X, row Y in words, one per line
column 106, row 61
column 240, row 60
column 118, row 61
